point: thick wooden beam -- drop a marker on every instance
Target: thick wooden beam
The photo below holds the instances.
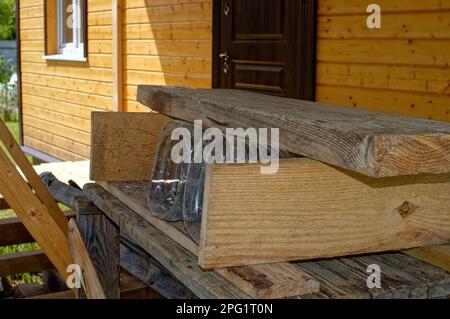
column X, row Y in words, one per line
column 28, row 171
column 24, row 262
column 270, row 281
column 34, row 214
column 99, row 249
column 123, row 145
column 372, row 143
column 102, row 240
column 90, row 281
column 311, row 210
column 179, row 261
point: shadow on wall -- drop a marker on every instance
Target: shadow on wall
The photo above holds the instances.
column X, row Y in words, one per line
column 166, row 44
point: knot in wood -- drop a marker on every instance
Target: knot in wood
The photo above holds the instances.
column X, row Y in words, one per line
column 406, row 209
column 257, row 279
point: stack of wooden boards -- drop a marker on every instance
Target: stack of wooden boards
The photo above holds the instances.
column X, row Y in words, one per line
column 369, row 182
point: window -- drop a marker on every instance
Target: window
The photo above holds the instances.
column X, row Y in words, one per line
column 65, row 30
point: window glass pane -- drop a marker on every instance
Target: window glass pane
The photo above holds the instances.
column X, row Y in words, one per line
column 68, row 21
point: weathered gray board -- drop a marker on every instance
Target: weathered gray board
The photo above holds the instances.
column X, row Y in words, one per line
column 371, row 143
column 402, row 276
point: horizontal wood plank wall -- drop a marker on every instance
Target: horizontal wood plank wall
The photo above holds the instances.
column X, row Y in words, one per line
column 166, row 42
column 401, row 68
column 58, row 97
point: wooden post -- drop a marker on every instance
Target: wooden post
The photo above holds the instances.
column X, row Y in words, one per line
column 94, row 241
column 102, row 241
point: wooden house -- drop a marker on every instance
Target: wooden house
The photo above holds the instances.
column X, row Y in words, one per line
column 81, row 56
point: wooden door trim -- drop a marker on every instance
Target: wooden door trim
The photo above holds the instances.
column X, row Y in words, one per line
column 308, row 56
column 307, row 32
column 217, row 16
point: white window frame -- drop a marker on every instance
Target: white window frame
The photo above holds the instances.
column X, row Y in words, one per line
column 73, row 51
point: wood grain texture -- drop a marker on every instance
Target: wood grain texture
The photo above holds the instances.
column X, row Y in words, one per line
column 181, row 263
column 123, row 145
column 402, row 277
column 34, row 215
column 13, row 232
column 312, row 210
column 145, row 268
column 102, row 241
column 372, row 143
column 117, row 43
column 269, row 281
column 132, row 194
column 277, row 282
column 3, row 204
column 24, row 262
column 401, row 67
column 33, row 179
column 435, row 255
column 91, row 282
column 80, row 84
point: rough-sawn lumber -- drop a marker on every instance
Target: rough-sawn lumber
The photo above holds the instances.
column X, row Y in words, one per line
column 311, row 210
column 372, row 143
column 269, row 281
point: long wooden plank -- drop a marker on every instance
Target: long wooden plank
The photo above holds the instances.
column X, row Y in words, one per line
column 142, row 266
column 33, row 179
column 34, row 215
column 311, row 210
column 123, row 145
column 271, row 280
column 372, row 143
column 435, row 255
column 178, row 260
column 90, row 281
column 24, row 262
column 13, row 232
column 402, row 277
column 3, row 204
column 268, row 281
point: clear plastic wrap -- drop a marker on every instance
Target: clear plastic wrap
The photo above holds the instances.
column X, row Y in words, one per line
column 175, row 192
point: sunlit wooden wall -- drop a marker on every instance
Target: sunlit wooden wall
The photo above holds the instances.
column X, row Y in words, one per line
column 401, row 68
column 58, row 97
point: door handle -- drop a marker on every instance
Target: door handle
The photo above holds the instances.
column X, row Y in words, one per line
column 225, row 56
column 226, row 9
column 226, row 61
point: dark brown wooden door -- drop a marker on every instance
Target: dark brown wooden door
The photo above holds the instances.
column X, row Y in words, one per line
column 267, row 46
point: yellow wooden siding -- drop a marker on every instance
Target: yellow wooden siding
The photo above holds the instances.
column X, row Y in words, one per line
column 166, row 42
column 57, row 96
column 401, row 68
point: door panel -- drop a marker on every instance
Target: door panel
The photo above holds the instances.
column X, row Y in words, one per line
column 260, row 44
